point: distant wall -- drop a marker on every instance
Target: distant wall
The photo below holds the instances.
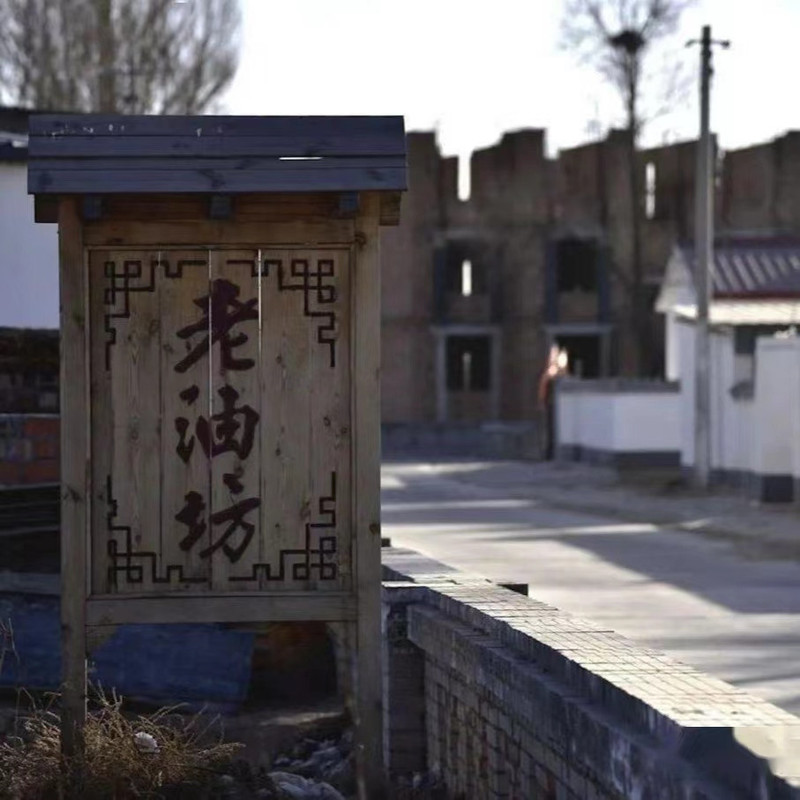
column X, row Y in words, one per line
column 624, row 423
column 490, row 440
column 760, row 187
column 755, row 413
column 776, row 422
column 29, row 260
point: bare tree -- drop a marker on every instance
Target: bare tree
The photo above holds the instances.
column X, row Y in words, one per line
column 617, row 38
column 124, row 56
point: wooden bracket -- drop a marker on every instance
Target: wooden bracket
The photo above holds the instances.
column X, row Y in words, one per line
column 45, row 208
column 390, row 208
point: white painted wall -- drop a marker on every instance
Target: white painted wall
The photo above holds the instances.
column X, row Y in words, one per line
column 777, row 395
column 731, row 418
column 795, row 415
column 685, row 340
column 672, row 355
column 623, row 421
column 568, row 417
column 646, row 421
column 741, row 435
column 597, row 422
column 29, row 260
column 759, row 435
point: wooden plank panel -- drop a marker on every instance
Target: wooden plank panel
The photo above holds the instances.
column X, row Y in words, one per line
column 185, row 473
column 133, row 324
column 75, row 481
column 372, row 144
column 254, row 607
column 102, row 419
column 50, row 179
column 305, row 418
column 285, row 391
column 114, row 125
column 233, row 440
column 366, row 495
column 213, row 161
column 329, row 409
column 216, row 234
column 246, row 207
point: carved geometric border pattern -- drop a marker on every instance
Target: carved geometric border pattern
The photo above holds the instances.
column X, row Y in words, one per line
column 131, row 563
column 122, row 561
column 311, row 558
column 316, row 284
column 312, row 282
column 130, row 280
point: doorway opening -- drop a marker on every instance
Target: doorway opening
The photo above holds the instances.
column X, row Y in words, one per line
column 584, row 354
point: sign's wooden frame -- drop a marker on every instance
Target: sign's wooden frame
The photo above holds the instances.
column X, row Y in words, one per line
column 87, row 618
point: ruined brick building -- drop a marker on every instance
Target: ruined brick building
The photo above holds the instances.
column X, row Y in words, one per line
column 475, row 291
column 545, row 244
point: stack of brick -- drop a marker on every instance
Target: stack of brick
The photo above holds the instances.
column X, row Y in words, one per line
column 29, row 449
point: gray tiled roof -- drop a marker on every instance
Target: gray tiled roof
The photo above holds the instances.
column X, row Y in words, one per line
column 131, row 154
column 754, row 267
column 13, row 146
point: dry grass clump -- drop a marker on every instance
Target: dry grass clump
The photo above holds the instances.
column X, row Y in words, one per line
column 117, row 767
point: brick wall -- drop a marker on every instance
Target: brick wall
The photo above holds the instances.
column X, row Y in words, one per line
column 506, row 697
column 29, row 449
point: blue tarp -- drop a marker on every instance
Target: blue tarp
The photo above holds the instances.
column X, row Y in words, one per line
column 200, row 665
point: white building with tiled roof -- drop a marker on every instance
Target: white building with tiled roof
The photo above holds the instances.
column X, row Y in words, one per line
column 755, row 360
column 28, row 251
column 755, row 285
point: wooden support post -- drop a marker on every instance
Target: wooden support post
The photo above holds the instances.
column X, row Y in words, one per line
column 365, row 367
column 74, row 488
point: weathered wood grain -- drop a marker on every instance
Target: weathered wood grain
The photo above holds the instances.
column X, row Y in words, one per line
column 177, row 146
column 75, row 483
column 329, row 411
column 299, row 130
column 365, row 332
column 305, row 407
column 215, row 235
column 132, row 316
column 212, row 161
column 102, row 420
column 290, row 176
column 286, row 344
column 236, row 419
column 189, row 608
column 184, row 469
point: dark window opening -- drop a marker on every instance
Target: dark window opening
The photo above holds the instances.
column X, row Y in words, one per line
column 583, row 353
column 468, row 363
column 576, row 265
column 744, row 337
column 292, row 662
column 650, row 190
column 457, row 257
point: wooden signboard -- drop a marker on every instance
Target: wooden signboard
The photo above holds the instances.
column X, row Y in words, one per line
column 220, row 375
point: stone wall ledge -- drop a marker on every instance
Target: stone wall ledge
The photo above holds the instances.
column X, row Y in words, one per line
column 631, row 720
column 617, row 386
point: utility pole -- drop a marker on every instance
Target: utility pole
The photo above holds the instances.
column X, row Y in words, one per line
column 704, row 259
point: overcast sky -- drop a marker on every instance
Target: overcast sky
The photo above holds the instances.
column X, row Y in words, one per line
column 472, row 69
